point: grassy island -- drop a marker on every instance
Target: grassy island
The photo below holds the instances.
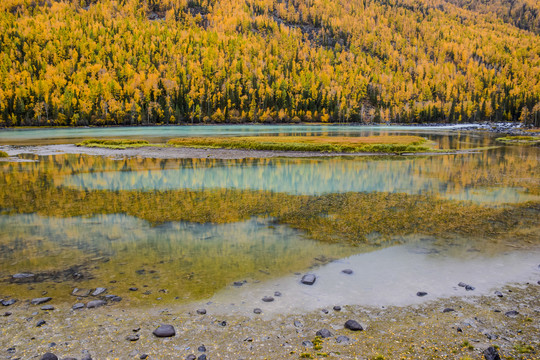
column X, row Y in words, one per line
column 383, row 144
column 3, row 154
column 328, row 144
column 520, row 140
column 114, row 143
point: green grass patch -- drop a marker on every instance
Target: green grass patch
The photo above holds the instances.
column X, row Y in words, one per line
column 119, row 144
column 371, row 144
column 3, row 154
column 521, row 140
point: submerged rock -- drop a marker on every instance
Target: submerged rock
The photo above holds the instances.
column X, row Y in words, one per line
column 201, row 348
column 95, row 304
column 39, row 301
column 40, row 323
column 347, row 271
column 324, row 333
column 268, row 299
column 491, row 354
column 202, row 357
column 337, row 308
column 308, row 279
column 499, row 294
column 342, row 339
column 421, row 293
column 8, row 302
column 257, row 311
column 132, row 337
column 448, row 310
column 99, row 291
column 307, row 343
column 201, row 311
column 277, row 293
column 47, row 307
column 78, row 306
column 164, row 331
column 511, row 313
column 353, row 325
column 191, row 357
column 80, row 292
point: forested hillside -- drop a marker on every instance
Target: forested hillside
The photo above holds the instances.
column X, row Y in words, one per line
column 105, row 62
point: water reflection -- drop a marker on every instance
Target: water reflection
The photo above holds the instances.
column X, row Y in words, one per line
column 485, row 177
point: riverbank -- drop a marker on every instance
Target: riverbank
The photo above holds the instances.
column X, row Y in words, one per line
column 453, row 328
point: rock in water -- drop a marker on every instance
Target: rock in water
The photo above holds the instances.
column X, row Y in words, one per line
column 47, row 307
column 164, row 331
column 202, row 357
column 201, row 311
column 421, row 293
column 257, row 311
column 42, row 300
column 308, row 279
column 95, row 304
column 448, row 310
column 191, row 357
column 324, row 333
column 132, row 337
column 201, row 348
column 8, row 302
column 40, row 323
column 498, row 293
column 491, row 354
column 353, row 325
column 267, row 299
column 78, row 306
column 49, row 356
column 511, row 313
column 23, row 276
column 347, row 271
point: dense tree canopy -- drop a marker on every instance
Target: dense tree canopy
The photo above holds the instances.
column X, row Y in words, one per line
column 105, row 62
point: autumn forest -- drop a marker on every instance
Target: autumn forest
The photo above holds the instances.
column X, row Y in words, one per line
column 140, row 62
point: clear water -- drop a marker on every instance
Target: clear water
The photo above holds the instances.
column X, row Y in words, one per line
column 185, row 230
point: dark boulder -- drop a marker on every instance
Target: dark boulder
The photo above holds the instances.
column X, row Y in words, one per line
column 164, row 331
column 324, row 333
column 353, row 325
column 491, row 354
column 49, row 356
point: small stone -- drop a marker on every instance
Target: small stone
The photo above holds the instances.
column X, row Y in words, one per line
column 308, row 279
column 191, row 357
column 133, row 289
column 8, row 302
column 8, row 313
column 459, row 330
column 353, row 325
column 307, row 343
column 201, row 348
column 111, row 297
column 469, row 288
column 132, row 337
column 499, row 294
column 324, row 333
column 202, row 357
column 95, row 304
column 99, row 291
column 238, row 283
column 298, row 324
column 143, row 356
column 277, row 294
column 267, row 299
column 257, row 311
column 324, row 311
column 347, row 271
column 40, row 323
column 491, row 354
column 137, row 329
column 223, row 323
column 47, row 307
column 337, row 308
column 201, row 311
column 448, row 310
column 421, row 293
column 511, row 313
column 78, row 306
column 462, row 284
column 342, row 339
column 164, row 331
column 49, row 356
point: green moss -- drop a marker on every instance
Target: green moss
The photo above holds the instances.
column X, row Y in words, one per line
column 118, row 144
column 3, row 154
column 466, row 344
column 306, row 356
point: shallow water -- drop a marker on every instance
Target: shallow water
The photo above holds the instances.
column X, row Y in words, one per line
column 185, row 230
